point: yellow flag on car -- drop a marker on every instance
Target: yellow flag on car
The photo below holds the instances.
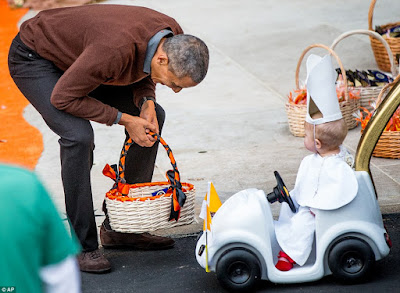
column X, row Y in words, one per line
column 210, row 206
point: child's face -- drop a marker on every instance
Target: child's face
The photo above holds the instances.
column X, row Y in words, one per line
column 309, row 141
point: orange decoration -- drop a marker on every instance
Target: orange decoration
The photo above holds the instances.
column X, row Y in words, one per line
column 364, row 117
column 300, row 95
column 20, row 143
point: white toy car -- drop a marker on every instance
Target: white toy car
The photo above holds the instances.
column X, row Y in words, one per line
column 241, row 246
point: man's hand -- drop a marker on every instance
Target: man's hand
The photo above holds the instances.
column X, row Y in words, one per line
column 148, row 112
column 138, row 129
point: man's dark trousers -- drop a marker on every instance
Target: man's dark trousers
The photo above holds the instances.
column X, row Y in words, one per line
column 36, row 78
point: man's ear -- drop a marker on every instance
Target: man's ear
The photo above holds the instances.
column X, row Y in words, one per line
column 162, row 59
column 318, row 144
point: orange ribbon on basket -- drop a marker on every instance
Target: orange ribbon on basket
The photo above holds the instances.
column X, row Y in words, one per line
column 120, row 187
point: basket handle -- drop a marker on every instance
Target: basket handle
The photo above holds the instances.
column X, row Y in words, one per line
column 346, row 93
column 374, row 35
column 178, row 197
column 371, row 14
column 379, row 99
column 127, row 145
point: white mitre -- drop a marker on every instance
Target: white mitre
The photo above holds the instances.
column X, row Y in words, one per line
column 321, row 90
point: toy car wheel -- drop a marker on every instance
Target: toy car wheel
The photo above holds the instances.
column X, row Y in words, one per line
column 351, row 260
column 238, row 270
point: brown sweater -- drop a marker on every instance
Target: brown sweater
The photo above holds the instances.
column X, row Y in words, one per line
column 95, row 44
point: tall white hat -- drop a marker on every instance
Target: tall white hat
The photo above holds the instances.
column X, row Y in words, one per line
column 321, row 90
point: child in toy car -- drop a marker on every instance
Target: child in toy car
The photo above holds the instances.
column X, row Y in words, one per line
column 325, row 180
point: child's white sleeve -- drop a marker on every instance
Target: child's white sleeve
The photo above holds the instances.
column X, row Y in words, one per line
column 62, row 277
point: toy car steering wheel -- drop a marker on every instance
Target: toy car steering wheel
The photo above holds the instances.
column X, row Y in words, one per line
column 280, row 193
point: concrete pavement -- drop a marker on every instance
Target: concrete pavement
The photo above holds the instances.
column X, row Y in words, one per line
column 232, row 129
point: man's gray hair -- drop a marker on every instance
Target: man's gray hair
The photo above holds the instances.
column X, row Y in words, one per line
column 187, row 56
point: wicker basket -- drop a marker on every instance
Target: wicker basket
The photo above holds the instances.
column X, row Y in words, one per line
column 296, row 116
column 144, row 207
column 388, row 145
column 370, row 93
column 296, row 113
column 380, row 52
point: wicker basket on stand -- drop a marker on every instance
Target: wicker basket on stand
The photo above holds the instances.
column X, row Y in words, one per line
column 296, row 113
column 380, row 52
column 144, row 207
column 388, row 145
column 370, row 93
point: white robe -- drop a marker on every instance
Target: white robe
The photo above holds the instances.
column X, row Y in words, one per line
column 325, row 183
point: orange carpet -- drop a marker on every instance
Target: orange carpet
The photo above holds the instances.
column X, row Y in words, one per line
column 20, row 143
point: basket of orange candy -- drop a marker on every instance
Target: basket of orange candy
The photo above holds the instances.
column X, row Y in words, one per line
column 388, row 145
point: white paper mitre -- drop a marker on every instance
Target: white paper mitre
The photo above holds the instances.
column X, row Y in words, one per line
column 321, row 90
